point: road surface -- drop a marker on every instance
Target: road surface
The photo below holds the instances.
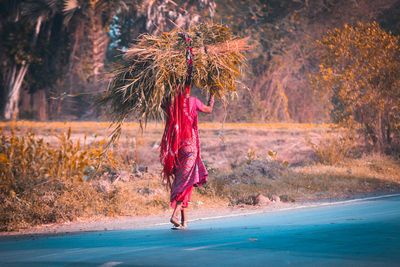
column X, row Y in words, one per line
column 355, row 233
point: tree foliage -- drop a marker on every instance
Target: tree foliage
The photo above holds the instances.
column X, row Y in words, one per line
column 359, row 75
column 57, row 48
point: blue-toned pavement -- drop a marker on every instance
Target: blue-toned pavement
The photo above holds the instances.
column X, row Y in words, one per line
column 360, row 233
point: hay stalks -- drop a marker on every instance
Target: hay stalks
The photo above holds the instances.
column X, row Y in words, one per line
column 154, row 69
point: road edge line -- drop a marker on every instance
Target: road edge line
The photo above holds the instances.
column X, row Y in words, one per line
column 342, row 202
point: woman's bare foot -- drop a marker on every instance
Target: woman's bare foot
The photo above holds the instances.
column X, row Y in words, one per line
column 183, row 219
column 174, row 220
column 184, row 224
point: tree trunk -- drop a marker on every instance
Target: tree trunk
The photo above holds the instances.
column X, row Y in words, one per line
column 14, row 84
column 371, row 135
column 40, row 105
column 15, row 80
column 380, row 133
column 99, row 43
column 388, row 125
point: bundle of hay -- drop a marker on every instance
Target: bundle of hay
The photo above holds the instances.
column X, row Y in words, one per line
column 155, row 68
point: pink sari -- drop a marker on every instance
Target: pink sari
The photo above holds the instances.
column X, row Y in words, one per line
column 190, row 170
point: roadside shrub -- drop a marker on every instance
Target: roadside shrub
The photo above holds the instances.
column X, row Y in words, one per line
column 41, row 183
column 359, row 75
column 251, row 177
column 334, row 148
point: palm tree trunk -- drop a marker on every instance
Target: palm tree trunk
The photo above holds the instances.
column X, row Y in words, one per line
column 15, row 80
column 99, row 42
column 14, row 90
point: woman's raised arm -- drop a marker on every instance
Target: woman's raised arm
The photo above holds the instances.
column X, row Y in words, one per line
column 208, row 109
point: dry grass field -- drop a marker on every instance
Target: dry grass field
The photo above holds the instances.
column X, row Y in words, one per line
column 59, row 171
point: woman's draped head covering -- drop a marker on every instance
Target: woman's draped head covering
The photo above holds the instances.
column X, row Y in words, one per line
column 179, row 122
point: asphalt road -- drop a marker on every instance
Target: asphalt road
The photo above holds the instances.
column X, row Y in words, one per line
column 357, row 233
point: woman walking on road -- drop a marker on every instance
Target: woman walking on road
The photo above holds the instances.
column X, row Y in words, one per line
column 180, row 147
column 156, row 73
column 188, row 169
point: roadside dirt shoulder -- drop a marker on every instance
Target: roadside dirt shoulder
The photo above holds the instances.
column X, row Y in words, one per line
column 202, row 213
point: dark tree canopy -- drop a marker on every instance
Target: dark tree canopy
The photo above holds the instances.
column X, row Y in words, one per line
column 56, row 54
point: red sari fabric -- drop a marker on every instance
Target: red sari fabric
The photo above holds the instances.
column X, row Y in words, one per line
column 183, row 197
column 178, row 128
column 190, row 170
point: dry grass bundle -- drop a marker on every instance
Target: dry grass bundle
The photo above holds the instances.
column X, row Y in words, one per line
column 155, row 68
